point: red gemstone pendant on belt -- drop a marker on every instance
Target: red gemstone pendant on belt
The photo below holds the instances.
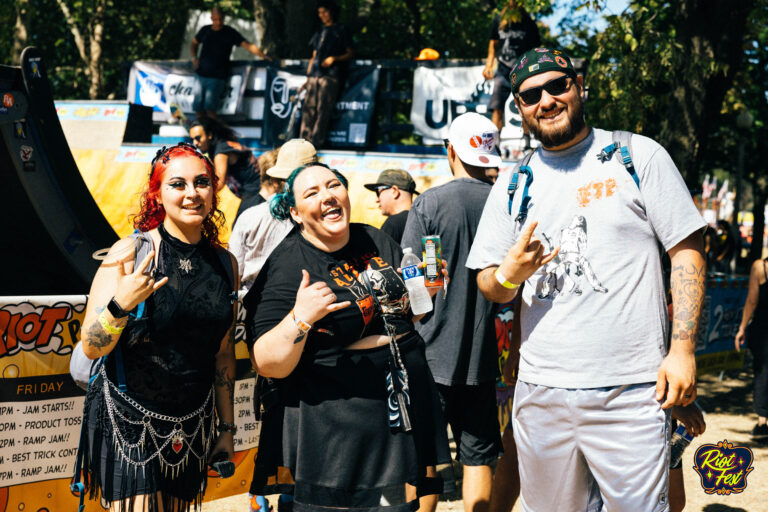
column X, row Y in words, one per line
column 176, row 441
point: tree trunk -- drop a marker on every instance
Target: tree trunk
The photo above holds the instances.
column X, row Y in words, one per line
column 95, row 65
column 711, row 34
column 286, row 26
column 20, row 32
column 413, row 6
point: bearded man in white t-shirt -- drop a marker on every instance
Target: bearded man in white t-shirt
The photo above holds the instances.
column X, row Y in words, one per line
column 596, row 379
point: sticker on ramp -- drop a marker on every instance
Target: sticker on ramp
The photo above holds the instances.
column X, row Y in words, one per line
column 26, row 153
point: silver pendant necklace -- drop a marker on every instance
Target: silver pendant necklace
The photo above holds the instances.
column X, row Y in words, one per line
column 185, row 265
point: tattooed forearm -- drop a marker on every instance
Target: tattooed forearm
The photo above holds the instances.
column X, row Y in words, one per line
column 299, row 338
column 231, row 336
column 223, row 380
column 688, row 290
column 96, row 336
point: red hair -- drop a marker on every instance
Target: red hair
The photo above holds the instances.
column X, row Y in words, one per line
column 152, row 212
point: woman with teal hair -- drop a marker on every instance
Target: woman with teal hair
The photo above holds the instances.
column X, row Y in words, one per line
column 329, row 322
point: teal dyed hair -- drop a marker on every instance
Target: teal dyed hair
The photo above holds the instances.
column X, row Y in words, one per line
column 280, row 205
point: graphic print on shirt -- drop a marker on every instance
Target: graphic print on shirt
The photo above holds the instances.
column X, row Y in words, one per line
column 508, row 52
column 346, row 276
column 570, row 264
column 387, row 284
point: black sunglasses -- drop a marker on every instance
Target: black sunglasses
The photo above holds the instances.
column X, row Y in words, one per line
column 197, row 138
column 381, row 189
column 554, row 87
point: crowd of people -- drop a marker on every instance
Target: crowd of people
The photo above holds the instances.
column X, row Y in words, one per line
column 355, row 393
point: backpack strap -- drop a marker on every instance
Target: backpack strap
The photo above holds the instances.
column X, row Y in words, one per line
column 521, row 168
column 144, row 245
column 622, row 141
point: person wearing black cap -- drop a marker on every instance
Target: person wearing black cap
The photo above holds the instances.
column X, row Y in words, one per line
column 582, row 231
column 394, row 189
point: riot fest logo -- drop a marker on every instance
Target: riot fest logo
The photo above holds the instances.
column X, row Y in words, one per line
column 723, row 467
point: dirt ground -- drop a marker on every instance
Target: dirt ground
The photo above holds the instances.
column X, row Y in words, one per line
column 727, row 404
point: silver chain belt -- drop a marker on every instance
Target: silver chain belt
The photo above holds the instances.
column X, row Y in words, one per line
column 150, row 440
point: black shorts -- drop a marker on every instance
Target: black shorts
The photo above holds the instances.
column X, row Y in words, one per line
column 472, row 413
column 501, row 91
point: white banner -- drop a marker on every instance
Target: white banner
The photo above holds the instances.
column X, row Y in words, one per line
column 441, row 94
column 160, row 85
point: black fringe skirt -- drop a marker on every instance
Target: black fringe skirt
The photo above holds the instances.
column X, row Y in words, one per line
column 331, row 431
column 171, row 468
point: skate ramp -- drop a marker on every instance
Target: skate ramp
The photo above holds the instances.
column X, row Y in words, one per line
column 53, row 225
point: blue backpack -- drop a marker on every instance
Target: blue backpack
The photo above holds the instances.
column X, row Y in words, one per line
column 621, row 143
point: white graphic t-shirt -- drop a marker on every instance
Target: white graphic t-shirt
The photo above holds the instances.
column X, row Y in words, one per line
column 595, row 316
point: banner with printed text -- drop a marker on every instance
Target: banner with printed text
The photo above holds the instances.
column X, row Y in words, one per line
column 351, row 119
column 161, row 84
column 41, row 407
column 442, row 94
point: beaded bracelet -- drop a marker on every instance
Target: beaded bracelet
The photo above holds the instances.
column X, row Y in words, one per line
column 107, row 326
column 227, row 427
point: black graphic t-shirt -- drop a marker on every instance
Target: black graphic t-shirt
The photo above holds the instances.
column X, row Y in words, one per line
column 217, row 47
column 514, row 40
column 273, row 294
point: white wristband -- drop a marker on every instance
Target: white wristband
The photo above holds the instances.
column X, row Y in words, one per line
column 503, row 280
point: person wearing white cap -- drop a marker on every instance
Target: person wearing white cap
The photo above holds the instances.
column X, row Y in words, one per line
column 256, row 233
column 460, row 333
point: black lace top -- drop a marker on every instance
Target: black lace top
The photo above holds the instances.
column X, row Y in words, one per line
column 169, row 354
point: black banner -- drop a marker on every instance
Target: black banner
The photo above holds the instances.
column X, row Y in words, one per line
column 350, row 124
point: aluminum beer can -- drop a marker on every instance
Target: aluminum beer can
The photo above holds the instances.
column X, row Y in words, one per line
column 432, row 256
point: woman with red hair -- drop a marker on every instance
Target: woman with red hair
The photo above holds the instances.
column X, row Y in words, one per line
column 167, row 325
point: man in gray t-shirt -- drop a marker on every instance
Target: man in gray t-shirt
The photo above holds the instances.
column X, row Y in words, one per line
column 460, row 332
column 595, row 377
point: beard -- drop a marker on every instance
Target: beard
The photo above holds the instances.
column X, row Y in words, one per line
column 557, row 136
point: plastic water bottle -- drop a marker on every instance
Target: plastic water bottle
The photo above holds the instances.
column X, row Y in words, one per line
column 680, row 440
column 421, row 302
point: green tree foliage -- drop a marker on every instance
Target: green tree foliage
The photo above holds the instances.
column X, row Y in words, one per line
column 749, row 93
column 663, row 69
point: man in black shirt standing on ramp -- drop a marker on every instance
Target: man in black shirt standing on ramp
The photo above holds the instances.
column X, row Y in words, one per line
column 212, row 67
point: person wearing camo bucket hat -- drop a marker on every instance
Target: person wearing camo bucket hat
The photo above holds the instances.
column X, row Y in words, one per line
column 579, row 222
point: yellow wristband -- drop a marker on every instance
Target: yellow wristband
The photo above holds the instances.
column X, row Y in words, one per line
column 107, row 326
column 503, row 280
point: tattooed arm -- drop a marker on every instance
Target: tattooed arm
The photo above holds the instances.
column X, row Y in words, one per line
column 676, row 381
column 224, row 387
column 224, row 381
column 116, row 277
